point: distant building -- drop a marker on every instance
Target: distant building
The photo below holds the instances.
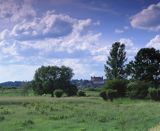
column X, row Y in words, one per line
column 97, row 81
column 93, row 83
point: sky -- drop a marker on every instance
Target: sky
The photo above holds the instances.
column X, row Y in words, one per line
column 74, row 33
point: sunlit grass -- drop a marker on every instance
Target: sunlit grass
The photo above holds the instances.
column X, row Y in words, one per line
column 77, row 114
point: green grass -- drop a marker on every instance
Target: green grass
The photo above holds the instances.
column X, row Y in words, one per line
column 77, row 114
column 91, row 113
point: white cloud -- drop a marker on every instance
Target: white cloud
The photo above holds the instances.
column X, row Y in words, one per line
column 155, row 42
column 4, row 34
column 100, row 58
column 16, row 10
column 40, row 34
column 49, row 25
column 148, row 18
column 29, row 41
column 118, row 31
column 82, row 68
column 101, row 53
column 130, row 47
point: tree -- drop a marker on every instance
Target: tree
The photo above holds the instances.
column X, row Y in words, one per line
column 146, row 66
column 115, row 68
column 47, row 79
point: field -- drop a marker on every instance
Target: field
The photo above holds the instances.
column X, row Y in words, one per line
column 91, row 113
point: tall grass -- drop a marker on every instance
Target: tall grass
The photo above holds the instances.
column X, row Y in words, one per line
column 77, row 114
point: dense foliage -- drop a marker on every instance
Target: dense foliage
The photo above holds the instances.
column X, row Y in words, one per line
column 142, row 72
column 146, row 66
column 58, row 92
column 137, row 89
column 81, row 93
column 114, row 67
column 119, row 85
column 108, row 94
column 154, row 94
column 47, row 79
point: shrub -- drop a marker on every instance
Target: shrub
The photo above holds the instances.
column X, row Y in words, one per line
column 27, row 123
column 137, row 89
column 154, row 94
column 103, row 94
column 58, row 93
column 2, row 118
column 81, row 93
column 108, row 94
column 93, row 89
column 72, row 90
column 119, row 85
column 111, row 94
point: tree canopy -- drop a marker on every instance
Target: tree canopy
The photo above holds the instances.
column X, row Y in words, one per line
column 146, row 65
column 47, row 79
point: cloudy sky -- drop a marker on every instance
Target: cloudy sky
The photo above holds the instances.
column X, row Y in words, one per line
column 75, row 33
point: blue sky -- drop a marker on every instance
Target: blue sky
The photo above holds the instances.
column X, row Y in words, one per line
column 75, row 33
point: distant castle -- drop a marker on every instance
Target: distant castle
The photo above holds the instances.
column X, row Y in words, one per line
column 97, row 81
column 93, row 82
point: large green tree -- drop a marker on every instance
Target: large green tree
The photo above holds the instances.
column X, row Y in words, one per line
column 49, row 78
column 115, row 65
column 146, row 66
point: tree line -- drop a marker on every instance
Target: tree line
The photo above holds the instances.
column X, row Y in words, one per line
column 139, row 78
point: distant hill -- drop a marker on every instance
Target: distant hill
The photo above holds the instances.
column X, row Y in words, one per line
column 13, row 84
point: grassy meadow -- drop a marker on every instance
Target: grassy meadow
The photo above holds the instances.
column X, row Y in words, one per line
column 90, row 113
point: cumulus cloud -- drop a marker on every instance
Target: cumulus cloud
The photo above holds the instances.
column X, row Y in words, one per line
column 51, row 32
column 16, row 10
column 49, row 25
column 148, row 18
column 155, row 42
column 37, row 42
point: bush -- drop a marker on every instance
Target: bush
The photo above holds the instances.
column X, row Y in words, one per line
column 154, row 94
column 72, row 90
column 58, row 93
column 103, row 94
column 27, row 123
column 81, row 93
column 137, row 89
column 119, row 85
column 109, row 94
column 2, row 118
